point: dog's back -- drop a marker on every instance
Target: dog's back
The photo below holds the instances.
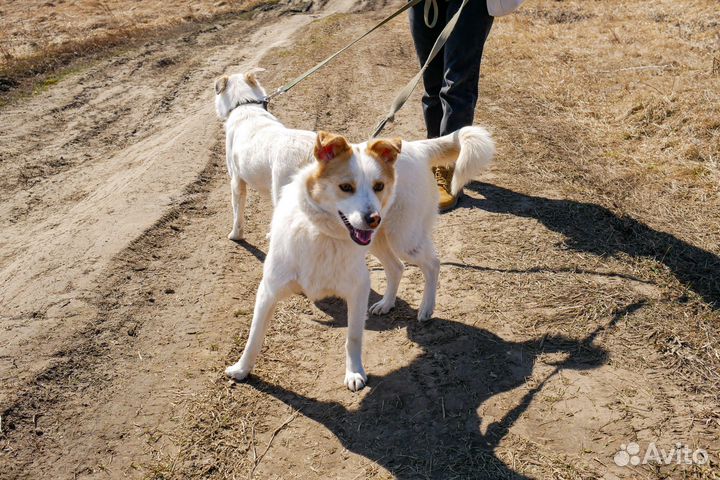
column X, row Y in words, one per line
column 470, row 151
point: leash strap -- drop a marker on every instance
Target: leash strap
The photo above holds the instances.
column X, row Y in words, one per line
column 320, row 65
column 405, row 93
column 426, row 12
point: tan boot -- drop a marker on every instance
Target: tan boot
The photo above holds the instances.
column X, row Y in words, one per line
column 443, row 177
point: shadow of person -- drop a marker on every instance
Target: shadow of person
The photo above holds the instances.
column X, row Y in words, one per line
column 421, row 420
column 595, row 229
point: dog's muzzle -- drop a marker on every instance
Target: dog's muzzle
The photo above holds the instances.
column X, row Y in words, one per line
column 361, row 237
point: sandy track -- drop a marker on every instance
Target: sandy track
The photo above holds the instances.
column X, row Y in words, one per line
column 125, row 300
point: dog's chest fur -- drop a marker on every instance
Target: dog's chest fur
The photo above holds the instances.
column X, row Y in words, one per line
column 330, row 267
column 312, row 261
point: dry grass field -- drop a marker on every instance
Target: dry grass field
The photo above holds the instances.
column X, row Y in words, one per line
column 579, row 304
column 37, row 37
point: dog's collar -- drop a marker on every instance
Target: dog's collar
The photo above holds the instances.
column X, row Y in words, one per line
column 263, row 102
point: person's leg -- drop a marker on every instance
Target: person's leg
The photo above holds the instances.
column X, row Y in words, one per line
column 462, row 56
column 461, row 61
column 424, row 39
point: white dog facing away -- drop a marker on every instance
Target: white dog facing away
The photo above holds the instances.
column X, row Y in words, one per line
column 333, row 202
column 260, row 151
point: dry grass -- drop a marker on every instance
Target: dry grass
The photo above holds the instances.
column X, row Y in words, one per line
column 622, row 115
column 645, row 99
column 36, row 40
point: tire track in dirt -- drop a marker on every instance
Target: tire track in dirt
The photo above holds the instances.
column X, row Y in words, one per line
column 67, row 401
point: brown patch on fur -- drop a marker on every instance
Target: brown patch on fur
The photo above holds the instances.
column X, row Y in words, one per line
column 332, row 153
column 250, row 77
column 385, row 149
column 385, row 152
column 329, row 146
column 221, row 84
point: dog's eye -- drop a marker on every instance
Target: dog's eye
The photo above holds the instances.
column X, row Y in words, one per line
column 378, row 187
column 346, row 187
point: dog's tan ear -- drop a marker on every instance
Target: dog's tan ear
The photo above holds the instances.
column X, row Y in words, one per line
column 328, row 146
column 250, row 76
column 385, row 149
column 221, row 84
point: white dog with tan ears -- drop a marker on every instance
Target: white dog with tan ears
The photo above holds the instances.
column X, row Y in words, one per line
column 333, row 202
column 260, row 151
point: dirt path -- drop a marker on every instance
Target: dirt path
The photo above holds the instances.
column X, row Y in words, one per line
column 88, row 171
column 557, row 336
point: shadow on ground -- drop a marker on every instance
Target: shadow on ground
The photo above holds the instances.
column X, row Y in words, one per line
column 421, row 421
column 252, row 249
column 595, row 229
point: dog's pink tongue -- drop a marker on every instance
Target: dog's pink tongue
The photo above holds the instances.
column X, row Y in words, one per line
column 364, row 235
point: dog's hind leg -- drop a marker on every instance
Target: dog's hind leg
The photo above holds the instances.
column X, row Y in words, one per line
column 238, row 188
column 425, row 257
column 264, row 307
column 393, row 273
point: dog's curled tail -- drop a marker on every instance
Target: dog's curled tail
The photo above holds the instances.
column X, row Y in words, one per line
column 477, row 151
column 470, row 150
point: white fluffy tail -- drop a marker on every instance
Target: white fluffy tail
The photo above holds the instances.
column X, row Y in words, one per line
column 470, row 150
column 477, row 151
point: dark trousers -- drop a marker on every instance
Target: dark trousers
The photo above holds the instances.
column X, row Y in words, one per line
column 451, row 79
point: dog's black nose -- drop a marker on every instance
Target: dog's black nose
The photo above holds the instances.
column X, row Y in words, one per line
column 372, row 219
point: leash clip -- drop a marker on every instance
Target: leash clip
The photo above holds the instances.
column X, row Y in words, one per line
column 274, row 94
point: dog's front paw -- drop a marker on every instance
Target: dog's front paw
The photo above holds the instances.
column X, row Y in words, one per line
column 426, row 312
column 236, row 235
column 382, row 307
column 237, row 372
column 355, row 380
